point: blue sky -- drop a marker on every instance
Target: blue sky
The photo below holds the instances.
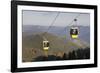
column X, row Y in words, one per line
column 45, row 18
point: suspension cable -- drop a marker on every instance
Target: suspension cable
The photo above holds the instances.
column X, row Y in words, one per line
column 72, row 21
column 74, row 18
column 51, row 23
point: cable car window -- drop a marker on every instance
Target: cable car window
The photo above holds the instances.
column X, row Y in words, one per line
column 74, row 31
column 46, row 44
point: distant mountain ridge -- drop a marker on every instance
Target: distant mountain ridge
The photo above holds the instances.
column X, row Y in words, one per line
column 84, row 31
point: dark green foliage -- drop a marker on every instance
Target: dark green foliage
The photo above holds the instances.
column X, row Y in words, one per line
column 83, row 53
column 49, row 58
column 74, row 55
column 79, row 54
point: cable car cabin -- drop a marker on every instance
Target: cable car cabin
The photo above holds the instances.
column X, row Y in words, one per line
column 45, row 45
column 74, row 31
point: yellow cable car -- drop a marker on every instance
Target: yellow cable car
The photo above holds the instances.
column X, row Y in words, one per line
column 45, row 45
column 74, row 32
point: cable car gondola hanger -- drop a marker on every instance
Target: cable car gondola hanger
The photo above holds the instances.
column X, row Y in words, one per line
column 74, row 30
column 45, row 41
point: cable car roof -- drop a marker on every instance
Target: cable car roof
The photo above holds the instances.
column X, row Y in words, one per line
column 75, row 27
column 45, row 41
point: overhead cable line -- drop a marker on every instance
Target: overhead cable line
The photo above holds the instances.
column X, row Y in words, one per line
column 52, row 23
column 72, row 21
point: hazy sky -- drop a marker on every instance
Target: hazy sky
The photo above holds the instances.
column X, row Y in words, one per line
column 46, row 18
